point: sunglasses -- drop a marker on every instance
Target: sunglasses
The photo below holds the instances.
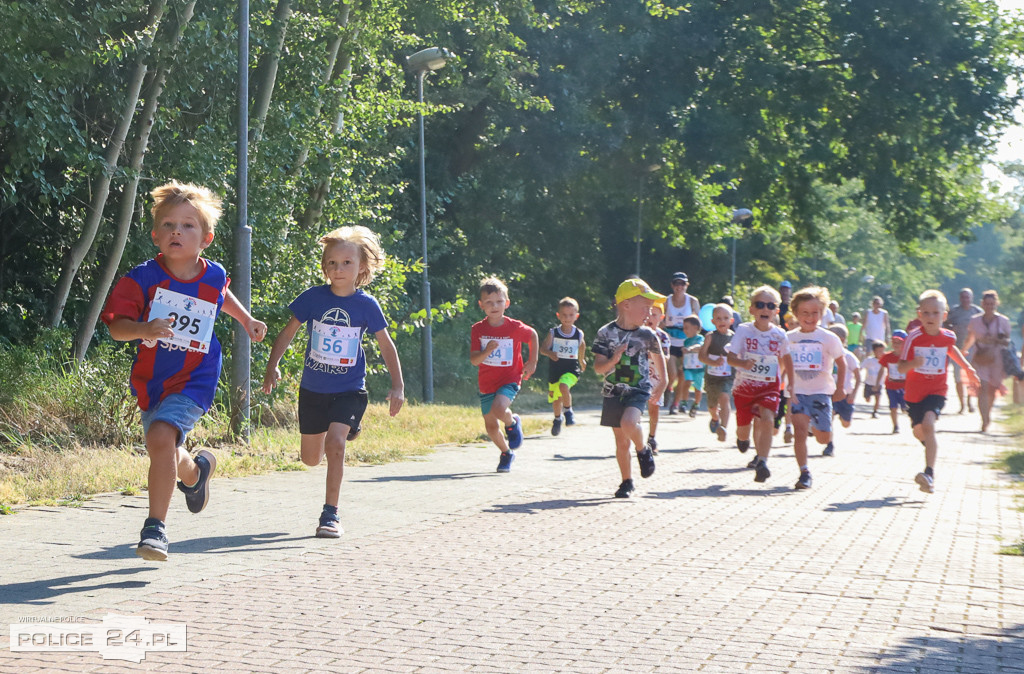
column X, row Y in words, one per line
column 765, row 305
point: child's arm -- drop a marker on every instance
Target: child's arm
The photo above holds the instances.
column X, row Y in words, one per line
column 840, row 377
column 604, row 364
column 736, row 361
column 396, row 396
column 124, row 329
column 787, row 367
column 281, row 343
column 958, row 358
column 545, row 348
column 256, row 330
column 478, row 357
column 583, row 354
column 531, row 365
column 856, row 385
column 905, row 366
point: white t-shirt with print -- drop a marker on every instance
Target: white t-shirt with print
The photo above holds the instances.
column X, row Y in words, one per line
column 813, row 355
column 766, row 347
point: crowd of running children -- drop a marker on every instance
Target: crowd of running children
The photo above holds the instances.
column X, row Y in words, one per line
column 804, row 374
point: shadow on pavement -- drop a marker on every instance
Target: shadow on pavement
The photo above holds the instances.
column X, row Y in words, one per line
column 540, row 506
column 947, row 650
column 886, row 502
column 214, row 544
column 737, row 469
column 40, row 591
column 718, row 490
column 424, row 478
column 563, row 457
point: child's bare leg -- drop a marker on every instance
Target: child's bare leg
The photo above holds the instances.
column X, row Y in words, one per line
column 311, row 450
column 894, row 413
column 823, row 437
column 497, row 420
column 166, row 462
column 566, row 399
column 622, row 456
column 925, row 432
column 723, row 410
column 698, row 395
column 764, row 424
column 653, row 412
column 334, row 450
column 682, row 391
column 801, row 427
column 556, row 407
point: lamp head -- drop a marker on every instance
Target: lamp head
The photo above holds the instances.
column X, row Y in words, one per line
column 431, row 58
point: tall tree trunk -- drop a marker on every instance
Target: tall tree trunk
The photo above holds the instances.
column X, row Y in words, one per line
column 267, row 74
column 87, row 326
column 81, row 248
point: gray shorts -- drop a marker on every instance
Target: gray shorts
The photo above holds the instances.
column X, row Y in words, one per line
column 818, row 406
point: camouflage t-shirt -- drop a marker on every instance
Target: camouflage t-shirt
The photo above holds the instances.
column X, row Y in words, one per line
column 634, row 367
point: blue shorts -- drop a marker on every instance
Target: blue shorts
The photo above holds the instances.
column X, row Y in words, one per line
column 696, row 375
column 817, row 406
column 895, row 396
column 487, row 399
column 177, row 410
column 843, row 408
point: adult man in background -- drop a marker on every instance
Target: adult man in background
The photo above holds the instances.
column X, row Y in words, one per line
column 957, row 321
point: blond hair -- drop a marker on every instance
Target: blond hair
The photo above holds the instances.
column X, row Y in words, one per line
column 493, row 284
column 722, row 306
column 766, row 290
column 808, row 294
column 371, row 255
column 933, row 295
column 172, row 194
column 569, row 302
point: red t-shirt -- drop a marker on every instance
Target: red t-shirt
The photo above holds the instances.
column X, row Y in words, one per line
column 930, row 379
column 893, row 379
column 505, row 364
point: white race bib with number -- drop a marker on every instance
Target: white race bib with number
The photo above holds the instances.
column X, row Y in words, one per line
column 691, row 361
column 894, row 372
column 566, row 348
column 766, row 367
column 723, row 370
column 806, row 356
column 336, row 345
column 192, row 318
column 502, row 356
column 934, row 359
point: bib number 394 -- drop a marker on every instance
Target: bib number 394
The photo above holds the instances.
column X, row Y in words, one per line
column 191, row 318
column 336, row 345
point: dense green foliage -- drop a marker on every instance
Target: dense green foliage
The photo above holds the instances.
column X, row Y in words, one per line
column 867, row 115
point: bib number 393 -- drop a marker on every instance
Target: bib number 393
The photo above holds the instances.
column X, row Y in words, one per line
column 191, row 318
column 336, row 345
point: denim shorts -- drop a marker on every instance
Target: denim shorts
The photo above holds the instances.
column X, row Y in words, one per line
column 818, row 406
column 843, row 408
column 177, row 410
column 487, row 399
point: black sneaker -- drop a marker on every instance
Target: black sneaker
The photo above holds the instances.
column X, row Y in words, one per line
column 829, row 450
column 625, row 489
column 570, row 420
column 653, row 444
column 645, row 457
column 505, row 462
column 329, row 527
column 556, row 426
column 761, row 472
column 895, row 430
column 805, row 480
column 693, row 410
column 672, row 409
column 197, row 496
column 742, row 445
column 752, row 463
column 153, row 541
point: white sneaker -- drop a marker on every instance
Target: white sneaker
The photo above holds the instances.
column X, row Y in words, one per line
column 925, row 482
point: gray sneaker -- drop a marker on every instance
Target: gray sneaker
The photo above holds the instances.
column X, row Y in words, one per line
column 645, row 457
column 153, row 541
column 198, row 495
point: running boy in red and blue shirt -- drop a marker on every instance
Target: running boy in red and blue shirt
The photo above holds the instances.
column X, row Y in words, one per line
column 168, row 305
column 496, row 348
column 924, row 360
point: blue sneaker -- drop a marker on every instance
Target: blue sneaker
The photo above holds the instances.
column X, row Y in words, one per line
column 570, row 420
column 505, row 462
column 198, row 495
column 153, row 541
column 329, row 527
column 514, row 433
column 804, row 482
column 829, row 450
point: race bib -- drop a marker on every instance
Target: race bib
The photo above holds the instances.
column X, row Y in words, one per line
column 723, row 370
column 336, row 345
column 192, row 318
column 566, row 348
column 894, row 372
column 806, row 356
column 691, row 361
column 934, row 359
column 502, row 356
column 766, row 368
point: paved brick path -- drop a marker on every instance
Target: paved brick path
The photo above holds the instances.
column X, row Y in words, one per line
column 446, row 565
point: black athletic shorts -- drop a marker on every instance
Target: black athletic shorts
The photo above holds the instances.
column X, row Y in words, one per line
column 931, row 403
column 317, row 411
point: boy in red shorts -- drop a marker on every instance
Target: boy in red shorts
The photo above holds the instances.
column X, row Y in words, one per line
column 924, row 360
column 760, row 352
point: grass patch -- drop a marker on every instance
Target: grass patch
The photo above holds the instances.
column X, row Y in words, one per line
column 33, row 474
column 1012, row 462
column 1016, row 550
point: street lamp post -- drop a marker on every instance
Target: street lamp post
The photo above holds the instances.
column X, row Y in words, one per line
column 421, row 63
column 739, row 215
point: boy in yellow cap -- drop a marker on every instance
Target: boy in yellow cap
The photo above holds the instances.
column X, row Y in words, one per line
column 628, row 354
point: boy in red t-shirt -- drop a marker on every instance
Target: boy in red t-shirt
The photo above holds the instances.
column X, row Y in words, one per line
column 924, row 361
column 894, row 381
column 496, row 347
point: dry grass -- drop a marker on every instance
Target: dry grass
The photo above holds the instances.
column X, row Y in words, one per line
column 1012, row 462
column 37, row 475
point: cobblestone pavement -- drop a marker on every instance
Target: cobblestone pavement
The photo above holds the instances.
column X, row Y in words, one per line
column 446, row 565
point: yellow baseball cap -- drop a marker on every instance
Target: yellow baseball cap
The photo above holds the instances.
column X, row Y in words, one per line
column 635, row 287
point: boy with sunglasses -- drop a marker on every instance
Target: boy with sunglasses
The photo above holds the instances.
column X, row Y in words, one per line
column 760, row 352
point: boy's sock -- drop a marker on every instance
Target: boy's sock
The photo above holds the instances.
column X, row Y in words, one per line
column 558, row 417
column 929, row 471
column 804, row 469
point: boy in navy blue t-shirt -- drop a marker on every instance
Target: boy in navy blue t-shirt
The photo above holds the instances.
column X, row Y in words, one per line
column 169, row 305
column 332, row 395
